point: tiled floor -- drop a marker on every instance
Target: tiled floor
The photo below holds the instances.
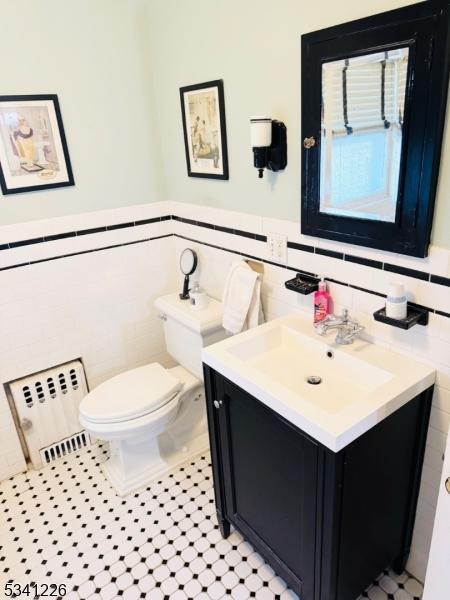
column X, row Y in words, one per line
column 65, row 525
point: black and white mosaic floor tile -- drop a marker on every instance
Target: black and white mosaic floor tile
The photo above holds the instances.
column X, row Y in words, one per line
column 65, row 525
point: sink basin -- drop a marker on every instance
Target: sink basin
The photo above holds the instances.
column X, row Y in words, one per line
column 291, row 358
column 334, row 393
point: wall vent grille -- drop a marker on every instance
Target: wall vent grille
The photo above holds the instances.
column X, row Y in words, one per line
column 74, row 443
column 47, row 409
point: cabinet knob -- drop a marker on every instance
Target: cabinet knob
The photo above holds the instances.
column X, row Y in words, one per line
column 447, row 485
column 309, row 142
column 217, row 403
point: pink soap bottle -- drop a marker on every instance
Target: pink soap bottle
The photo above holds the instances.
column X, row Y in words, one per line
column 322, row 302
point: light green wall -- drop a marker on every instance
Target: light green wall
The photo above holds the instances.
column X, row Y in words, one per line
column 254, row 46
column 89, row 52
column 117, row 65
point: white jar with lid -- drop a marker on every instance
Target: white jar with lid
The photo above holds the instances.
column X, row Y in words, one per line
column 198, row 298
column 396, row 305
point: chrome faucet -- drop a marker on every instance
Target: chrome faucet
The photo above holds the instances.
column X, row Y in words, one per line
column 347, row 329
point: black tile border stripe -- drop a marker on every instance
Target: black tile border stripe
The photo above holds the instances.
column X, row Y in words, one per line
column 20, row 243
column 360, row 260
column 120, row 226
column 222, row 228
column 330, row 253
column 113, row 227
column 70, row 254
column 370, row 263
column 361, row 289
column 89, row 231
column 76, row 233
column 408, row 272
column 301, row 247
column 440, row 280
column 355, row 287
column 59, row 236
column 287, row 267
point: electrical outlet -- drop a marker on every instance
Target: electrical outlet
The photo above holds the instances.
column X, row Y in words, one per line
column 277, row 247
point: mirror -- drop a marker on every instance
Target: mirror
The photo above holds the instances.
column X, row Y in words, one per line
column 188, row 264
column 374, row 95
column 363, row 107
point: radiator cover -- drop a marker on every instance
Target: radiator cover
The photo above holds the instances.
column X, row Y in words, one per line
column 47, row 407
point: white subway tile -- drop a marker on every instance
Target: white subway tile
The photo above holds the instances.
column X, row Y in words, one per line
column 100, row 305
column 440, row 419
column 238, row 220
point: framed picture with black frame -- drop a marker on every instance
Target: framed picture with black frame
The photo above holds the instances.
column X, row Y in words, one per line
column 205, row 136
column 33, row 147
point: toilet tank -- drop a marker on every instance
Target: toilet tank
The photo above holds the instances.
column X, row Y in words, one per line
column 187, row 331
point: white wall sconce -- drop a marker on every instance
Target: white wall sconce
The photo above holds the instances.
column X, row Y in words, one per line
column 268, row 139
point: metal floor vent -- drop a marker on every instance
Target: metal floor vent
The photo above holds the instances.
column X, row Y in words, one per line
column 47, row 409
column 74, row 443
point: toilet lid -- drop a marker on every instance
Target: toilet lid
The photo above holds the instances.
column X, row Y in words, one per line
column 130, row 395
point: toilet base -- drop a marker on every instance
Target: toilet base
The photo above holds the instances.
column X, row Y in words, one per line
column 130, row 468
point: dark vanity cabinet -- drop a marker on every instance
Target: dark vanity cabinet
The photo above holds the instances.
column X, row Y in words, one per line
column 327, row 522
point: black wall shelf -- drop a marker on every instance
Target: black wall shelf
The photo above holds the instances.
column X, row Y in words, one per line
column 416, row 315
column 303, row 284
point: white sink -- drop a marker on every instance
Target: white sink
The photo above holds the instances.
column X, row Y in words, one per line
column 360, row 384
column 290, row 358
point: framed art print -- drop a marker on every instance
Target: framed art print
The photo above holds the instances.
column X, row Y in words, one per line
column 205, row 137
column 33, row 148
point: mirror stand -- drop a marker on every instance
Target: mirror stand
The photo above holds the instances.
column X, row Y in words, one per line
column 184, row 295
column 188, row 264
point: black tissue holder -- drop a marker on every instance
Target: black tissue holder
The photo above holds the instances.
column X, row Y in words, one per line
column 303, row 284
column 416, row 315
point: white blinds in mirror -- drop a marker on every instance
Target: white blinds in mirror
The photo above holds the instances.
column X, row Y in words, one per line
column 366, row 92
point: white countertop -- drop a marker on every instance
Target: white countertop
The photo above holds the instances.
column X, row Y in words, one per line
column 362, row 383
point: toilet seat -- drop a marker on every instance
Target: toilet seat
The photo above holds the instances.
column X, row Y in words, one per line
column 130, row 395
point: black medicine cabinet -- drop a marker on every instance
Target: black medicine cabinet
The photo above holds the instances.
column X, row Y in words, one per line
column 374, row 95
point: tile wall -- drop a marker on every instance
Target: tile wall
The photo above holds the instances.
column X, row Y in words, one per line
column 96, row 306
column 430, row 344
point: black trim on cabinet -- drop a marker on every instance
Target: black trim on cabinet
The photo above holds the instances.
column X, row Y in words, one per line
column 326, row 496
column 423, row 28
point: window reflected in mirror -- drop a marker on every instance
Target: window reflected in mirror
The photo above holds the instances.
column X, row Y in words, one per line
column 363, row 101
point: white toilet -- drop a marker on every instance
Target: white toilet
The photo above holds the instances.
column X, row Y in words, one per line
column 155, row 418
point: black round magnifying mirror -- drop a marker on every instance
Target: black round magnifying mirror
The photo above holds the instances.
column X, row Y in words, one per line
column 188, row 264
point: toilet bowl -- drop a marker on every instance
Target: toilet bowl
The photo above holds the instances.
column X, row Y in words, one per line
column 155, row 418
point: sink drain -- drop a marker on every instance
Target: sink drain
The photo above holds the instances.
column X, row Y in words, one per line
column 314, row 379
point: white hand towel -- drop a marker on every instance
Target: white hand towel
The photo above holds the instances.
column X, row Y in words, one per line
column 241, row 299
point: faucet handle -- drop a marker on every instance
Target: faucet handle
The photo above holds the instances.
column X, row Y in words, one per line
column 321, row 327
column 345, row 318
column 318, row 325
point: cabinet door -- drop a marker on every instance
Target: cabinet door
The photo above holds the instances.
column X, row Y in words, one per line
column 270, row 483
